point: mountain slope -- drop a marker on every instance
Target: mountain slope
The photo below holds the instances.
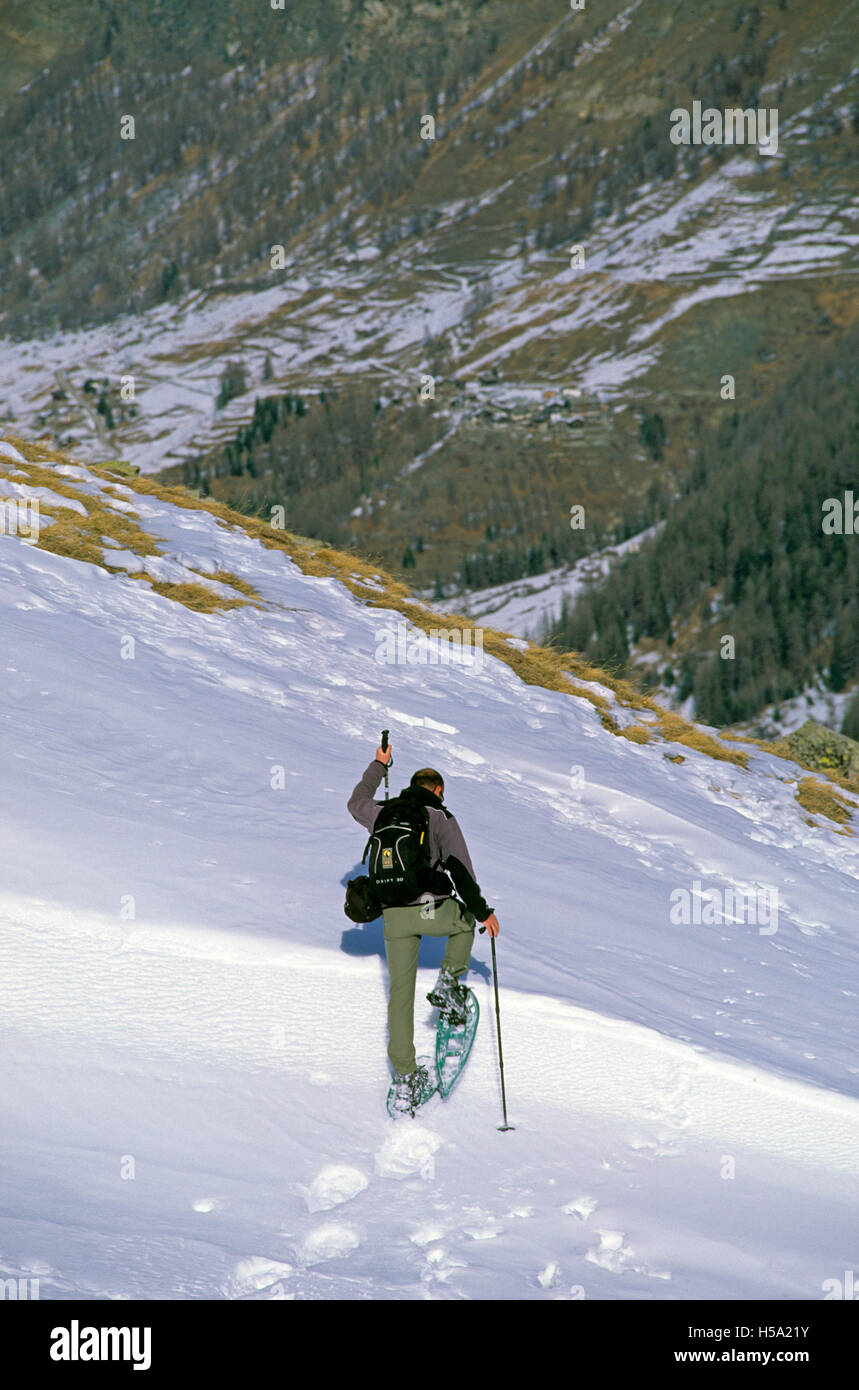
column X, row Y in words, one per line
column 187, row 1002
column 405, row 257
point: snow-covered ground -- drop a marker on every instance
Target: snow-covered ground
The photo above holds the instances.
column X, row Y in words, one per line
column 814, row 702
column 193, row 1101
column 526, row 607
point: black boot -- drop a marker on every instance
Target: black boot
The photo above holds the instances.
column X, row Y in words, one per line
column 409, row 1090
column 449, row 997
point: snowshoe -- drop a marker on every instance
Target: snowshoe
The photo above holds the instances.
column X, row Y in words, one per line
column 453, row 1043
column 409, row 1093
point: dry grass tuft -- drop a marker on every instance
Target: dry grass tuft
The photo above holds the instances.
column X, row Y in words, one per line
column 678, row 730
column 821, row 800
column 196, row 596
column 76, row 536
column 233, row 581
column 82, row 537
column 116, row 466
column 636, row 733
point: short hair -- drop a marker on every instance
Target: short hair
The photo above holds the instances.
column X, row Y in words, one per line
column 427, row 777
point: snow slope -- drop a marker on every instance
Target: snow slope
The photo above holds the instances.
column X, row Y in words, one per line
column 528, row 606
column 196, row 1105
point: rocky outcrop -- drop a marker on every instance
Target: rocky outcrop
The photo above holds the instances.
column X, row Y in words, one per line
column 822, row 748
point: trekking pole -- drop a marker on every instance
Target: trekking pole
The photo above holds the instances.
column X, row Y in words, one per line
column 505, row 1125
column 384, row 750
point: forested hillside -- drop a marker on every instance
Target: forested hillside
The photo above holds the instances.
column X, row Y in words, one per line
column 251, row 125
column 751, row 551
column 350, row 464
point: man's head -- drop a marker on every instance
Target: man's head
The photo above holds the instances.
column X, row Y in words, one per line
column 430, row 780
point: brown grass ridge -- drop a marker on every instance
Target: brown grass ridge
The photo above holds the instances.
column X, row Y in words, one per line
column 79, row 537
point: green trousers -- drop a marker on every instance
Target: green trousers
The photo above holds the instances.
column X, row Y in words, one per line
column 404, row 927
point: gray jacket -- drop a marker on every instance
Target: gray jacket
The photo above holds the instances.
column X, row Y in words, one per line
column 446, row 841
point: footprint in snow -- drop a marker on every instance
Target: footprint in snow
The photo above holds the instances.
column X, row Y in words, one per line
column 425, row 1235
column 582, row 1207
column 255, row 1275
column 439, row 1266
column 611, row 1253
column 408, row 1153
column 205, row 1204
column 492, row 1229
column 329, row 1242
column 337, row 1183
column 479, row 1224
column 644, row 1145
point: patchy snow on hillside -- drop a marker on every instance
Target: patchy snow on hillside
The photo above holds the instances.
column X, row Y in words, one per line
column 814, row 702
column 526, row 607
column 708, row 240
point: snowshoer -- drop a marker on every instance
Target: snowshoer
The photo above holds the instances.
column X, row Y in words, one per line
column 432, row 911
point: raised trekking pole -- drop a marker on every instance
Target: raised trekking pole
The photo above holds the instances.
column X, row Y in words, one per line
column 505, row 1125
column 384, row 750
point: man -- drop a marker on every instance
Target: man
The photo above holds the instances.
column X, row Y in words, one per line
column 436, row 912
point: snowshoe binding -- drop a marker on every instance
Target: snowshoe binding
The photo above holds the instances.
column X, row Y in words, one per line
column 450, row 998
column 408, row 1093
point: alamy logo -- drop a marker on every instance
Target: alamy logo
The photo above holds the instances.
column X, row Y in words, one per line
column 76, row 1343
column 840, row 518
column 725, row 907
column 20, row 518
column 731, row 127
column 19, row 1288
column 837, row 1288
column 427, row 901
column 405, row 646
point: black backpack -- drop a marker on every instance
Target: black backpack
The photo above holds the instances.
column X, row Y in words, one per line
column 361, row 904
column 399, row 869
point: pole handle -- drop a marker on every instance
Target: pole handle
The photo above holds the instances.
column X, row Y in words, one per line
column 385, row 733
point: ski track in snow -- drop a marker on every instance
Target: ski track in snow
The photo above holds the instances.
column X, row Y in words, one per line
column 197, row 1103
